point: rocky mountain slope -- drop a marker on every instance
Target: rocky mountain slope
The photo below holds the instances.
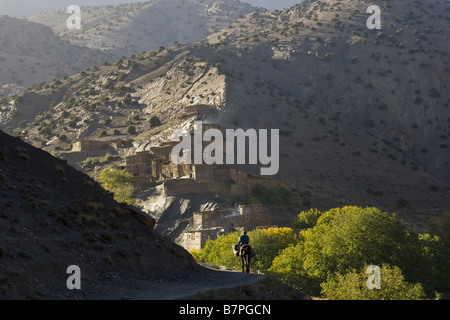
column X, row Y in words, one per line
column 366, row 106
column 53, row 216
column 273, row 5
column 20, row 8
column 363, row 114
column 41, row 48
column 129, row 29
column 32, row 53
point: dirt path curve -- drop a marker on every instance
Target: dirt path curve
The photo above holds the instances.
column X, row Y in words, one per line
column 185, row 288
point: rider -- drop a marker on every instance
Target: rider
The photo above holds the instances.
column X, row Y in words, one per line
column 244, row 239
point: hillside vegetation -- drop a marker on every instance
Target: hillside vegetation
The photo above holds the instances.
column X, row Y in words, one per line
column 331, row 256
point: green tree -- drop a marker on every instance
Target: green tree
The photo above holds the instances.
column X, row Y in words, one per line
column 434, row 263
column 268, row 243
column 307, row 219
column 352, row 237
column 352, row 286
column 120, row 183
column 440, row 226
column 288, row 267
column 220, row 251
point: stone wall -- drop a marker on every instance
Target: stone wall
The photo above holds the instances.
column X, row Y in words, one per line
column 139, row 164
column 199, row 110
column 171, row 170
column 196, row 239
column 163, row 151
column 90, row 146
column 249, row 216
column 99, row 145
column 189, row 186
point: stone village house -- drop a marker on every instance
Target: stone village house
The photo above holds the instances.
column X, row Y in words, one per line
column 210, row 224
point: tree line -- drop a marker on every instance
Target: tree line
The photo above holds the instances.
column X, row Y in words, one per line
column 327, row 254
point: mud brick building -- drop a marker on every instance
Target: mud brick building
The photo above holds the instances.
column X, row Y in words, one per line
column 94, row 146
column 210, row 224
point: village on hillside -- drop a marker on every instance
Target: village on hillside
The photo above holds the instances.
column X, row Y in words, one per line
column 155, row 166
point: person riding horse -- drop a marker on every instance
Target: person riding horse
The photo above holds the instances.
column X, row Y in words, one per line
column 245, row 252
column 244, row 239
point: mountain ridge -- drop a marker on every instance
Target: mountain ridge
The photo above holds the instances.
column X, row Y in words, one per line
column 130, row 29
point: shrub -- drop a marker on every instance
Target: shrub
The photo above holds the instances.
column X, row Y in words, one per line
column 73, row 123
column 131, row 130
column 352, row 286
column 307, row 219
column 440, row 226
column 268, row 243
column 219, row 251
column 107, row 236
column 155, row 122
column 120, row 183
column 278, row 195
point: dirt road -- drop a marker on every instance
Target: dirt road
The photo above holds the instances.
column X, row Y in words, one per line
column 182, row 287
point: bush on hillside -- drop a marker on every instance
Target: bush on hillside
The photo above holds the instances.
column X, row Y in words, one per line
column 120, row 183
column 277, row 195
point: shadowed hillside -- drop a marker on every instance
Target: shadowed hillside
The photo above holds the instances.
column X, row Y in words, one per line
column 52, row 216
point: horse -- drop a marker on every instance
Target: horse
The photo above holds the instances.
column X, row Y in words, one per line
column 246, row 255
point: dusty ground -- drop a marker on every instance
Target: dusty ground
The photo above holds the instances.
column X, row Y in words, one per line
column 208, row 283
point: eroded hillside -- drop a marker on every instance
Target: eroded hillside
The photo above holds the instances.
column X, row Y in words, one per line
column 363, row 114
